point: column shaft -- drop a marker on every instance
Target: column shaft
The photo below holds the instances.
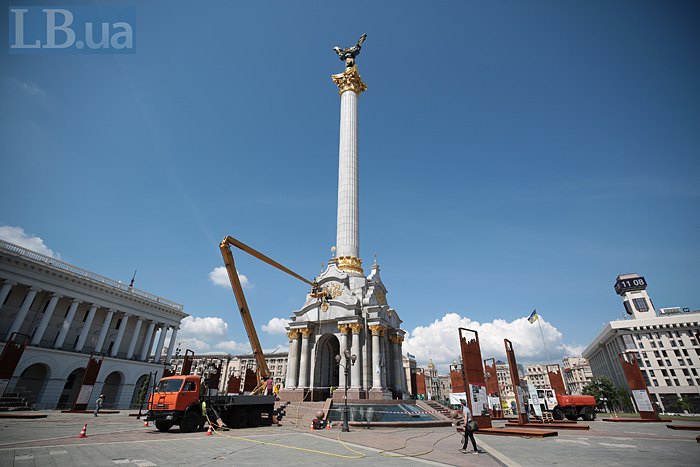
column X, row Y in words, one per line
column 356, row 375
column 61, row 338
column 120, row 335
column 86, row 328
column 376, row 368
column 398, row 367
column 304, row 362
column 348, row 233
column 161, row 343
column 147, row 342
column 22, row 313
column 293, row 361
column 172, row 345
column 5, row 291
column 41, row 329
column 134, row 338
column 103, row 332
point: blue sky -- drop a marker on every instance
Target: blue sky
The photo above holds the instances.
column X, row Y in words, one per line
column 513, row 155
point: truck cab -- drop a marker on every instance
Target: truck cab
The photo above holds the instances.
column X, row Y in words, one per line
column 176, row 401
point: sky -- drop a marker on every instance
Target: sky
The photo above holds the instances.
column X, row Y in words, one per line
column 513, row 156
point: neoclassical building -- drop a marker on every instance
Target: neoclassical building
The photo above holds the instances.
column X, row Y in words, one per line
column 354, row 314
column 66, row 313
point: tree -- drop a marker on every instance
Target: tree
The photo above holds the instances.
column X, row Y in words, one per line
column 604, row 391
column 684, row 403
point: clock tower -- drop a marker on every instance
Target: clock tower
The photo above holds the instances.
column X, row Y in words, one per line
column 632, row 289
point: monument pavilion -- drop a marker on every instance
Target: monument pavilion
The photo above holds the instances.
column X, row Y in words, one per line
column 355, row 314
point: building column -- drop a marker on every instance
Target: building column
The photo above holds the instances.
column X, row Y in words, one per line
column 161, row 343
column 120, row 335
column 61, row 338
column 5, row 291
column 172, row 345
column 293, row 360
column 343, row 328
column 86, row 328
column 304, row 360
column 23, row 310
column 134, row 338
column 386, row 361
column 147, row 342
column 377, row 331
column 105, row 329
column 356, row 373
column 41, row 329
column 396, row 340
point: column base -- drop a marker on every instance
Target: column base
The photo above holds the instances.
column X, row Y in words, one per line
column 354, row 394
column 379, row 394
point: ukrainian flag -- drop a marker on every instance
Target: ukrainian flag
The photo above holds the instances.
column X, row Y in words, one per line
column 533, row 317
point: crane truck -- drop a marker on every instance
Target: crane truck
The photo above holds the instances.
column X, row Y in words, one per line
column 185, row 400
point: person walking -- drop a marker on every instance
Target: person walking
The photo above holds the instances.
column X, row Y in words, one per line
column 268, row 386
column 98, row 404
column 468, row 431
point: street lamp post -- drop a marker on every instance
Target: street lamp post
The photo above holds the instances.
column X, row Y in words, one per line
column 349, row 360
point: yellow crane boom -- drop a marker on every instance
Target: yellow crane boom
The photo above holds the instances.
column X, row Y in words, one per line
column 224, row 246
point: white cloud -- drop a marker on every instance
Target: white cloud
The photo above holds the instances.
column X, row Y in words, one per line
column 208, row 328
column 439, row 340
column 233, row 347
column 192, row 343
column 219, row 277
column 18, row 236
column 275, row 326
column 30, row 88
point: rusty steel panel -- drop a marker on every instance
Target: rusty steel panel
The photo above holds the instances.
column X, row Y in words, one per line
column 556, row 380
column 234, row 385
column 89, row 379
column 420, row 384
column 515, row 379
column 187, row 360
column 11, row 354
column 251, row 380
column 492, row 386
column 635, row 381
column 215, row 378
column 457, row 380
column 473, row 371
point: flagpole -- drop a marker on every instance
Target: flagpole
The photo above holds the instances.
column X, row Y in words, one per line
column 543, row 342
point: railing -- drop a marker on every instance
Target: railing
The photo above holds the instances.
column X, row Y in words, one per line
column 38, row 257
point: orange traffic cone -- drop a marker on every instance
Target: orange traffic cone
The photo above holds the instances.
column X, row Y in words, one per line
column 328, row 425
column 83, row 432
column 311, row 427
column 210, row 431
column 145, row 423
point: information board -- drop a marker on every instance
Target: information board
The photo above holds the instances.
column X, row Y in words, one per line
column 84, row 395
column 641, row 398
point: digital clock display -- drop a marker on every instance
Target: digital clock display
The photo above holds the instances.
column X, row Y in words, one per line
column 628, row 285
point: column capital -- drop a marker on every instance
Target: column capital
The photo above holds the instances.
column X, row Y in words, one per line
column 9, row 282
column 377, row 329
column 306, row 332
column 293, row 334
column 56, row 294
column 77, row 300
column 343, row 328
column 34, row 288
column 395, row 338
column 356, row 328
column 349, row 80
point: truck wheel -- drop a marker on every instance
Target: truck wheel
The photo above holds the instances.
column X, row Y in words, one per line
column 190, row 422
column 573, row 418
column 164, row 425
column 589, row 415
column 557, row 414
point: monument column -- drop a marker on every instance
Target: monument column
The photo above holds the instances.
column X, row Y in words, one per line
column 344, row 328
column 350, row 86
column 398, row 364
column 376, row 369
column 304, row 360
column 356, row 376
column 293, row 361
